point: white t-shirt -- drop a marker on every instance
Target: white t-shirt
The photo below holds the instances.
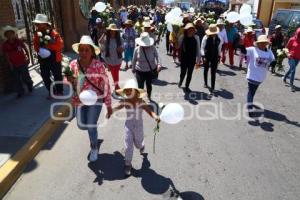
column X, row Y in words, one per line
column 258, row 63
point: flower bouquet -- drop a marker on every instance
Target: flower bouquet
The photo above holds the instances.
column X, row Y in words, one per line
column 281, row 55
column 45, row 38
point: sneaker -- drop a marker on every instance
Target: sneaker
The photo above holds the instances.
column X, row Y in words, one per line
column 127, row 170
column 93, row 155
column 205, row 86
column 142, row 150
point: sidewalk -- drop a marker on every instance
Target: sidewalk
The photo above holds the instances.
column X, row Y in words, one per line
column 21, row 118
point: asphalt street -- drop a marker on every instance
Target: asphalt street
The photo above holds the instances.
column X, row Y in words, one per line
column 216, row 153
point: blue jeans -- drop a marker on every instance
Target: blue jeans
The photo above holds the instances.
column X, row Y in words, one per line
column 292, row 70
column 252, row 87
column 87, row 118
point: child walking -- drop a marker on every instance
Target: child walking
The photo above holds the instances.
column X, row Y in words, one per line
column 134, row 132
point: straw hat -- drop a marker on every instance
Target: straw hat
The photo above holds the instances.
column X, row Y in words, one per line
column 112, row 27
column 144, row 40
column 212, row 30
column 249, row 30
column 86, row 39
column 131, row 84
column 198, row 20
column 128, row 22
column 8, row 28
column 189, row 25
column 41, row 19
column 262, row 39
column 277, row 27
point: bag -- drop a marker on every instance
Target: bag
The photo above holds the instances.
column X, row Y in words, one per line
column 154, row 72
column 88, row 80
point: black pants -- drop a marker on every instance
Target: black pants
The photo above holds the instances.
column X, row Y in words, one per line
column 213, row 65
column 186, row 68
column 141, row 78
column 273, row 63
column 56, row 69
column 21, row 75
column 168, row 41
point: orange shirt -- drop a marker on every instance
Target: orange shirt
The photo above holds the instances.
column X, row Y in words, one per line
column 57, row 46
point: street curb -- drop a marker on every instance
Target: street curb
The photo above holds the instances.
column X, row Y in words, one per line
column 13, row 168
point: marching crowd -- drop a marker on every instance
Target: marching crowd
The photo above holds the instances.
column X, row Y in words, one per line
column 131, row 35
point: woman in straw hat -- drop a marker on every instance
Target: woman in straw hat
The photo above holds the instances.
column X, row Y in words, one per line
column 112, row 48
column 211, row 52
column 129, row 36
column 18, row 59
column 134, row 131
column 48, row 38
column 145, row 62
column 189, row 55
column 259, row 58
column 89, row 74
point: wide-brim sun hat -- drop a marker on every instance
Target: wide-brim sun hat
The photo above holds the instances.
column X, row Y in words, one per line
column 112, row 27
column 262, row 39
column 277, row 27
column 213, row 29
column 249, row 30
column 131, row 84
column 128, row 22
column 147, row 24
column 86, row 39
column 198, row 20
column 41, row 19
column 189, row 26
column 8, row 28
column 144, row 40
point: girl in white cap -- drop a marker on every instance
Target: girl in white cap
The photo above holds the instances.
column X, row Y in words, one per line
column 134, row 133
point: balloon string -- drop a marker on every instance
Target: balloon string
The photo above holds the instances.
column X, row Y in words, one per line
column 156, row 130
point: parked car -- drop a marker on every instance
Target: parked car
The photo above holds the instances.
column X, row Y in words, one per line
column 288, row 19
column 259, row 27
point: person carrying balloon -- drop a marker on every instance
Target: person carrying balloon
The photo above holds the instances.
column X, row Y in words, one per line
column 89, row 75
column 134, row 131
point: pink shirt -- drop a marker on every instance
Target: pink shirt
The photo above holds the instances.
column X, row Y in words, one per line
column 96, row 73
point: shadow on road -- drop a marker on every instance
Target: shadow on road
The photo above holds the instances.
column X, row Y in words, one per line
column 194, row 96
column 226, row 73
column 162, row 83
column 224, row 94
column 157, row 184
column 108, row 167
column 268, row 114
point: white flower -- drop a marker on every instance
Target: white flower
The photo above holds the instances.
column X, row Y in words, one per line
column 40, row 34
column 48, row 31
column 47, row 37
column 278, row 51
column 41, row 40
column 285, row 50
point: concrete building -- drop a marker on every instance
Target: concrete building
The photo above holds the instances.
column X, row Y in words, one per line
column 266, row 8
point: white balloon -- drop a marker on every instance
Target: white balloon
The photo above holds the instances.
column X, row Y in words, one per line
column 176, row 11
column 169, row 27
column 173, row 113
column 88, row 97
column 44, row 53
column 246, row 19
column 233, row 17
column 100, row 6
column 245, row 9
column 169, row 17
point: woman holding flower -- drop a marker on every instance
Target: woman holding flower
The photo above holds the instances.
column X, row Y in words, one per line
column 48, row 39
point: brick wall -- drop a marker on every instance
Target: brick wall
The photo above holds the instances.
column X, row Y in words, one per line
column 7, row 17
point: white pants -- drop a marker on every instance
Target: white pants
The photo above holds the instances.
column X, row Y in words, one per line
column 134, row 135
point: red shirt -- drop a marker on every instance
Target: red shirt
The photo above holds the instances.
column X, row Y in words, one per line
column 57, row 46
column 249, row 41
column 15, row 52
